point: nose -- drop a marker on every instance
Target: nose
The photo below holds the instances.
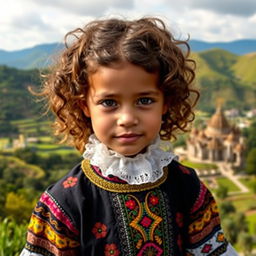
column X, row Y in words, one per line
column 127, row 117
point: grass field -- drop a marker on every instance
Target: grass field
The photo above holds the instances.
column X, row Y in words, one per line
column 38, row 135
column 200, row 166
column 252, row 223
column 249, row 182
column 223, row 181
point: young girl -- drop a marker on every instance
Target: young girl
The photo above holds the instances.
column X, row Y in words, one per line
column 121, row 88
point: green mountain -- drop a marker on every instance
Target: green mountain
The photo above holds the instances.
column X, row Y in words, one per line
column 16, row 101
column 220, row 74
column 39, row 56
column 245, row 69
column 42, row 55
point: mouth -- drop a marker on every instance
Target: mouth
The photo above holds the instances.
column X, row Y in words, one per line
column 128, row 137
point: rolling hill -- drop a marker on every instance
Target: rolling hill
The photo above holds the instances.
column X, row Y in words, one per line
column 41, row 55
column 220, row 74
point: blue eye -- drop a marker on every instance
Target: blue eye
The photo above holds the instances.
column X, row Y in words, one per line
column 108, row 103
column 145, row 101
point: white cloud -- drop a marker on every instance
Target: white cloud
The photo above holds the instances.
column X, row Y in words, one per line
column 29, row 22
column 82, row 7
column 233, row 7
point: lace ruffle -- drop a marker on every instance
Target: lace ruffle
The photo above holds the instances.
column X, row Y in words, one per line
column 143, row 168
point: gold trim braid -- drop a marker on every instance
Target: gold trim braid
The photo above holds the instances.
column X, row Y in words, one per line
column 119, row 187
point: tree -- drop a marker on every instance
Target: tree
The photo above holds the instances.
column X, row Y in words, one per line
column 226, row 208
column 233, row 225
column 246, row 242
column 18, row 207
column 250, row 134
column 222, row 192
column 230, row 229
column 27, row 155
column 251, row 162
column 253, row 185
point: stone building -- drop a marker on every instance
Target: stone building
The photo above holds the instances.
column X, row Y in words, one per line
column 219, row 141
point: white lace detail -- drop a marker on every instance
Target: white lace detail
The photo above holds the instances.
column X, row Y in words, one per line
column 143, row 168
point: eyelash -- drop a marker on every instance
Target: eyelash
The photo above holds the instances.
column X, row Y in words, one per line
column 104, row 103
column 109, row 103
column 149, row 101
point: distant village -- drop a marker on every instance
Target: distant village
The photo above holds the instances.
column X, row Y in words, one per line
column 220, row 140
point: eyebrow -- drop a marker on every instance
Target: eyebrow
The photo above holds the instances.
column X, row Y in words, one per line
column 111, row 95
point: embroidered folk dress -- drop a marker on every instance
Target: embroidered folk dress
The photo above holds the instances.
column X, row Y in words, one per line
column 87, row 214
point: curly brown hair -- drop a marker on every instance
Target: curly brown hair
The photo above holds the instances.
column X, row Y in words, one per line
column 144, row 42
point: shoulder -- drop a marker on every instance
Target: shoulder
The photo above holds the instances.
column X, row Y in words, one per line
column 53, row 226
column 70, row 183
column 185, row 175
column 184, row 183
column 68, row 194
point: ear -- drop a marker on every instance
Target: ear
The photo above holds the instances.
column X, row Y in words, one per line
column 86, row 111
column 84, row 108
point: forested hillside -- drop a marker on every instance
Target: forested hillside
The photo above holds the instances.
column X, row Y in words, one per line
column 219, row 74
column 16, row 102
column 27, row 168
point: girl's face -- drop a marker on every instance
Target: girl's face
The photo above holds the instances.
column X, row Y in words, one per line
column 125, row 106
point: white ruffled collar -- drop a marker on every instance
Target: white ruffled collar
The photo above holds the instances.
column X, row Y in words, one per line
column 143, row 168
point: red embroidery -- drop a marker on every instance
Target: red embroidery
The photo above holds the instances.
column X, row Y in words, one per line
column 130, row 204
column 207, row 248
column 184, row 169
column 150, row 249
column 54, row 208
column 70, row 182
column 111, row 250
column 146, row 222
column 99, row 230
column 153, row 200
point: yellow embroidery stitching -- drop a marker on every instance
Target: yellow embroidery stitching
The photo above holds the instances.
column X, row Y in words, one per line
column 118, row 187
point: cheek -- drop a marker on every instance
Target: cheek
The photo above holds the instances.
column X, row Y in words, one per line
column 101, row 124
column 154, row 121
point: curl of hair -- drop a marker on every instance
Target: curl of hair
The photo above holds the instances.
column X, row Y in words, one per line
column 145, row 42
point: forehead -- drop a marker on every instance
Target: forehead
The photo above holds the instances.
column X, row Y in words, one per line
column 123, row 77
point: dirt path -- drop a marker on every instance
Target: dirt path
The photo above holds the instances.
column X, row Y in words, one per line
column 228, row 172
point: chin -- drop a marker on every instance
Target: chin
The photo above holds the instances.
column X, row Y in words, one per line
column 132, row 153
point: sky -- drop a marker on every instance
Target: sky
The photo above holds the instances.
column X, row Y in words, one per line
column 26, row 23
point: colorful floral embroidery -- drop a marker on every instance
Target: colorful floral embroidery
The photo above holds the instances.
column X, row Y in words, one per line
column 145, row 224
column 146, row 221
column 53, row 207
column 111, row 250
column 150, row 249
column 204, row 222
column 50, row 231
column 42, row 228
column 130, row 204
column 70, row 182
column 99, row 230
column 153, row 200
